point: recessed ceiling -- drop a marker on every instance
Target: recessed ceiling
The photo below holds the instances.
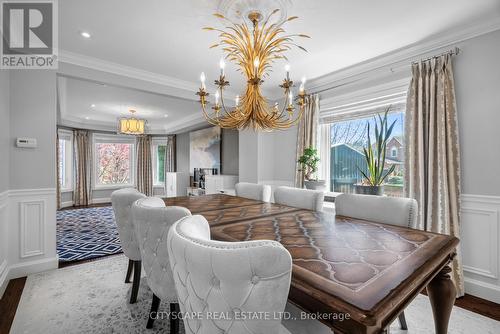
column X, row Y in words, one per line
column 93, row 105
column 166, row 37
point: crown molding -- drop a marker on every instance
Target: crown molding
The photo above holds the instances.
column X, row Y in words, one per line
column 403, row 55
column 128, row 71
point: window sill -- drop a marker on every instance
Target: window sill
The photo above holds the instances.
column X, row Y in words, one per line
column 64, row 191
column 111, row 187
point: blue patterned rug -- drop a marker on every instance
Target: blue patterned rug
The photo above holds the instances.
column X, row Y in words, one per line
column 86, row 234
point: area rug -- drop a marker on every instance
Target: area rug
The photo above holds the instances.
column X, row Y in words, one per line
column 92, row 298
column 88, row 233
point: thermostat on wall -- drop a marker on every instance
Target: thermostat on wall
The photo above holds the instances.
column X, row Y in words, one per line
column 26, row 142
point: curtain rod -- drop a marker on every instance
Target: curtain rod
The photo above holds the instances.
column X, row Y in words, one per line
column 452, row 52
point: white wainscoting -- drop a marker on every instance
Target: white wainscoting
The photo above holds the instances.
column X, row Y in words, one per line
column 30, row 233
column 4, row 270
column 480, row 242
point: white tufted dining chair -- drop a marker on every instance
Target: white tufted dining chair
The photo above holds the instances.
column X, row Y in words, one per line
column 236, row 279
column 259, row 192
column 152, row 220
column 122, row 201
column 380, row 209
column 299, row 198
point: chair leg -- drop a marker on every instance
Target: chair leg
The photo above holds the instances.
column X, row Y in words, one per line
column 136, row 282
column 129, row 270
column 153, row 313
column 402, row 321
column 174, row 320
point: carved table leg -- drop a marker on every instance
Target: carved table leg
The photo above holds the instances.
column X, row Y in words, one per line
column 442, row 292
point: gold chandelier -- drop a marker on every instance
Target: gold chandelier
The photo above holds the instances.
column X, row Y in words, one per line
column 254, row 51
column 131, row 125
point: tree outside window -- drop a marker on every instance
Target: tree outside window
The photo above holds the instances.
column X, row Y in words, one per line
column 114, row 163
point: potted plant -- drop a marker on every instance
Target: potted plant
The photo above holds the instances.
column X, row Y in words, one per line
column 309, row 165
column 375, row 158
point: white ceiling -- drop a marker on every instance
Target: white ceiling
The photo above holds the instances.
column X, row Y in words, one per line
column 165, row 36
column 94, row 105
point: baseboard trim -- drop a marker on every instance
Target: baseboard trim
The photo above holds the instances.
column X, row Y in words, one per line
column 483, row 290
column 66, row 204
column 22, row 269
column 101, row 200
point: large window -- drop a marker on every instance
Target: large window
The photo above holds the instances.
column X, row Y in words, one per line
column 114, row 161
column 65, row 160
column 348, row 137
column 159, row 148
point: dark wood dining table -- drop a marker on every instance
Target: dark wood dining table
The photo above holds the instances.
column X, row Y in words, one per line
column 354, row 275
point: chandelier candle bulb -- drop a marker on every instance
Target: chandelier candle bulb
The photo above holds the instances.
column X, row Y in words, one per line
column 287, row 70
column 237, row 100
column 217, row 98
column 202, row 79
column 222, row 65
column 290, row 98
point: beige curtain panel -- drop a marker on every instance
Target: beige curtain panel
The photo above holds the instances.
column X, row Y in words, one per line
column 144, row 165
column 432, row 152
column 307, row 134
column 83, row 156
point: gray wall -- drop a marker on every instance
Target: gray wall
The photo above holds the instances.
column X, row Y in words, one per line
column 477, row 80
column 33, row 115
column 4, row 130
column 182, row 152
column 229, row 152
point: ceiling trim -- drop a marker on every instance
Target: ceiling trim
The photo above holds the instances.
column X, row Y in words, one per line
column 405, row 54
column 98, row 64
column 124, row 70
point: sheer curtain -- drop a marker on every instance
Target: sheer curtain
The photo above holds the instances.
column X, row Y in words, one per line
column 433, row 153
column 307, row 134
column 83, row 160
column 144, row 165
column 324, row 147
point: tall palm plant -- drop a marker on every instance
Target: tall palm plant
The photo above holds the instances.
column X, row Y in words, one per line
column 375, row 157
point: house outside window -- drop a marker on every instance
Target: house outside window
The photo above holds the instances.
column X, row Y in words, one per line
column 114, row 161
column 348, row 137
column 65, row 160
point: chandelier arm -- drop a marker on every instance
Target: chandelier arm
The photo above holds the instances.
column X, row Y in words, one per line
column 207, row 116
column 227, row 114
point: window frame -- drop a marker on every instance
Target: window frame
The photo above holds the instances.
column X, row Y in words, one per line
column 158, row 141
column 394, row 152
column 99, row 138
column 365, row 113
column 68, row 160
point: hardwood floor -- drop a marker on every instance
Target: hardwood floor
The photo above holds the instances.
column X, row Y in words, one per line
column 9, row 302
column 12, row 295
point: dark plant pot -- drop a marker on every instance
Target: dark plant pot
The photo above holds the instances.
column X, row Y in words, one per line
column 315, row 185
column 369, row 190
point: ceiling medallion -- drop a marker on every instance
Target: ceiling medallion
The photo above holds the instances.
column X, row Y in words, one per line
column 131, row 125
column 239, row 10
column 254, row 49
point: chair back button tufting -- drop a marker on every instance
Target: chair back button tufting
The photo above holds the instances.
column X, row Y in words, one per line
column 255, row 279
